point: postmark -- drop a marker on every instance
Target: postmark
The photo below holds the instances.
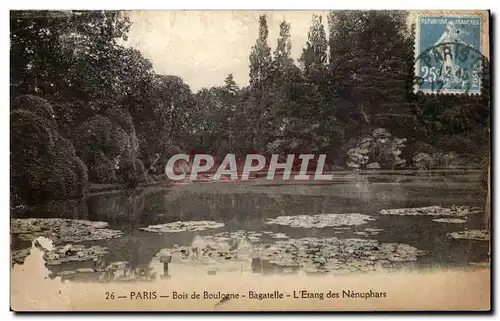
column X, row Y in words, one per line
column 449, row 53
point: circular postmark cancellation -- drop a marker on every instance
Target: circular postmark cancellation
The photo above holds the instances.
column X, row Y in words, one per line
column 448, row 52
column 449, row 68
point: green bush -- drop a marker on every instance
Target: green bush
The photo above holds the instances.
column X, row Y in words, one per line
column 108, row 146
column 30, row 147
column 446, row 160
column 101, row 170
column 423, row 161
column 30, row 139
column 44, row 165
column 126, row 169
column 122, row 118
column 37, row 106
column 60, row 183
column 81, row 171
column 140, row 170
column 98, row 135
column 459, row 144
column 378, row 150
column 65, row 155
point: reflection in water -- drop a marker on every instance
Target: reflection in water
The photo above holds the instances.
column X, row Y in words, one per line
column 247, row 208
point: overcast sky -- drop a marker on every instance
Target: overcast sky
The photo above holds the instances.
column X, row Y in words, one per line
column 204, row 47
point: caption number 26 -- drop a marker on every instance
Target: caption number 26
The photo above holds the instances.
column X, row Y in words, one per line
column 429, row 72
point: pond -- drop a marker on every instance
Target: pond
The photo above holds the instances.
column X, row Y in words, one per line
column 356, row 236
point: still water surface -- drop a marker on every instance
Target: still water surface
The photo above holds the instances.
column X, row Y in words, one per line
column 247, row 206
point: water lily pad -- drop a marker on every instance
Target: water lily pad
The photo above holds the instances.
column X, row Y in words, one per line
column 480, row 264
column 449, row 220
column 321, row 220
column 481, row 235
column 66, row 273
column 183, row 226
column 209, row 251
column 369, row 231
column 250, row 236
column 279, row 236
column 62, row 230
column 336, row 255
column 454, row 210
column 64, row 254
column 19, row 255
column 116, row 265
column 85, row 270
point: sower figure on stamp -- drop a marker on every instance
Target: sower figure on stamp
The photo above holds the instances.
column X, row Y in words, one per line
column 449, row 69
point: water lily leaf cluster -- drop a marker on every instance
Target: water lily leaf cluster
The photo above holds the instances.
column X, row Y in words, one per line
column 64, row 254
column 449, row 220
column 62, row 230
column 321, row 220
column 183, row 226
column 369, row 231
column 481, row 235
column 454, row 210
column 336, row 255
column 210, row 250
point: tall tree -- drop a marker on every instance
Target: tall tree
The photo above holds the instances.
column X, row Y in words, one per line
column 260, row 56
column 260, row 69
column 287, row 82
column 314, row 55
column 230, row 95
column 283, row 49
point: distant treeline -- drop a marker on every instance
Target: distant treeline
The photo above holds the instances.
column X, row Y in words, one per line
column 86, row 108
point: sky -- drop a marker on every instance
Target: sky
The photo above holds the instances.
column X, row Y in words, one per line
column 203, row 47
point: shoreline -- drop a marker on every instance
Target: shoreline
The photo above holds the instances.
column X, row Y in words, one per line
column 259, row 179
column 97, row 189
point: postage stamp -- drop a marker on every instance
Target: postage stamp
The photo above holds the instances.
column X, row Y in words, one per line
column 449, row 50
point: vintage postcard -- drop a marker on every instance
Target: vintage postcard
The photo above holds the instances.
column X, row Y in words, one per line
column 250, row 160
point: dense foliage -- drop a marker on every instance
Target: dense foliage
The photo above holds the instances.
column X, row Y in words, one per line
column 87, row 109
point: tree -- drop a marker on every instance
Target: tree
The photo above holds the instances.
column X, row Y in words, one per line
column 67, row 55
column 370, row 64
column 216, row 117
column 282, row 59
column 108, row 146
column 44, row 165
column 260, row 72
column 230, row 94
column 167, row 120
column 260, row 56
column 314, row 55
column 230, row 85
